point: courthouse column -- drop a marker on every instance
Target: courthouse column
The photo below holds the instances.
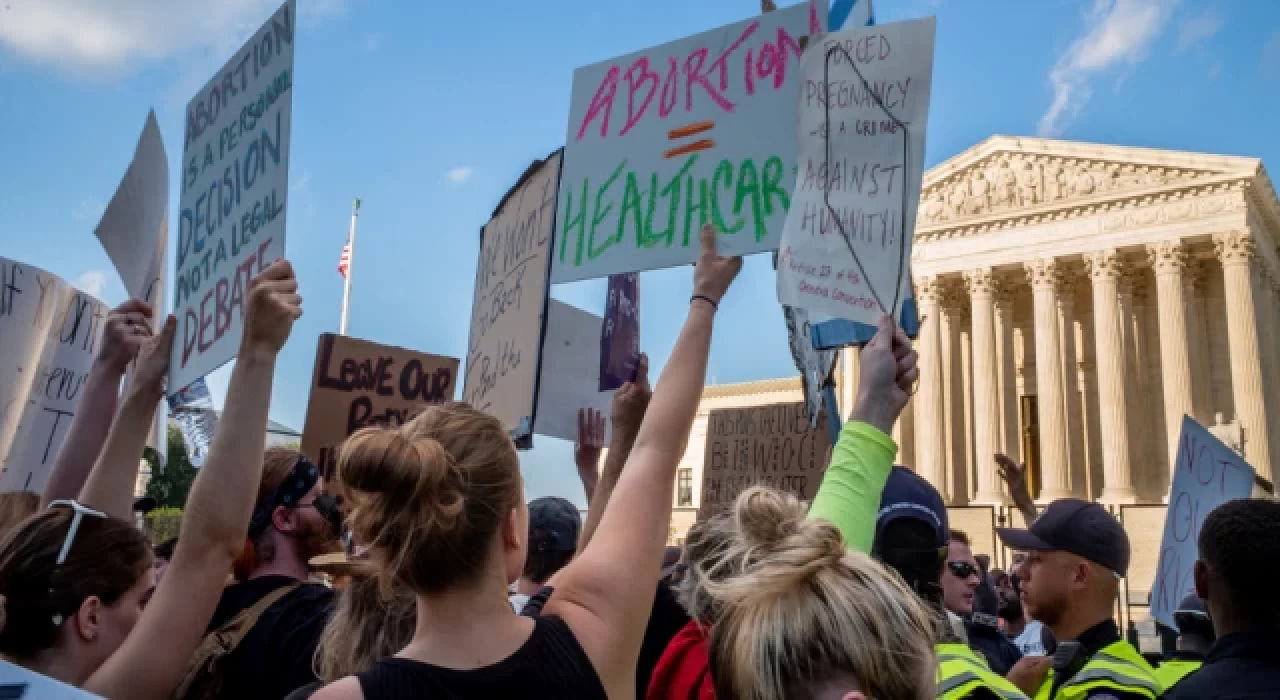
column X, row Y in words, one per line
column 1044, row 277
column 850, row 372
column 904, row 433
column 1077, row 465
column 986, row 391
column 1198, row 336
column 1105, row 269
column 1006, row 373
column 1169, row 260
column 930, row 445
column 1237, row 250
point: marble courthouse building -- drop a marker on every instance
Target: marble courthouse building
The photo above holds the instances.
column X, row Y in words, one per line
column 1077, row 300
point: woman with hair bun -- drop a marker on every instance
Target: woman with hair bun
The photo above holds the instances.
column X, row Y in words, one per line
column 807, row 618
column 439, row 501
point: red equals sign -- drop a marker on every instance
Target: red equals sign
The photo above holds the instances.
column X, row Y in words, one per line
column 687, row 131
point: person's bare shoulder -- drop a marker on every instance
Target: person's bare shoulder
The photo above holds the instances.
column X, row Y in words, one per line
column 346, row 689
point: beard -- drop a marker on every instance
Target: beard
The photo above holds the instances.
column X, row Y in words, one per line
column 317, row 538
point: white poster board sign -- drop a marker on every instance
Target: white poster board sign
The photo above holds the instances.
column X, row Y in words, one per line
column 17, row 683
column 664, row 140
column 1206, row 475
column 570, row 377
column 235, row 190
column 846, row 246
column 49, row 334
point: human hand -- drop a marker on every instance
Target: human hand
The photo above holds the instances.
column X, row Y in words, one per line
column 590, row 442
column 1029, row 673
column 888, row 372
column 127, row 326
column 713, row 274
column 153, row 361
column 630, row 402
column 1013, row 474
column 273, row 305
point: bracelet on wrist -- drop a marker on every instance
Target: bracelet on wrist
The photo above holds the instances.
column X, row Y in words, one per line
column 709, row 300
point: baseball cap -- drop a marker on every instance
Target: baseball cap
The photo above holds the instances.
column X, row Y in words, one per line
column 906, row 495
column 554, row 524
column 1080, row 527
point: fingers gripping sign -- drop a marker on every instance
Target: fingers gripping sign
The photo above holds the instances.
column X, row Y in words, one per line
column 274, row 304
column 713, row 274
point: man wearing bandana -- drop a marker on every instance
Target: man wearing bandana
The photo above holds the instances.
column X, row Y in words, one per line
column 293, row 521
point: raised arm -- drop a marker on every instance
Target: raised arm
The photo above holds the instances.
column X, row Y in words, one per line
column 154, row 658
column 629, row 404
column 606, row 593
column 109, row 487
column 1015, row 477
column 127, row 326
column 587, row 449
column 849, row 496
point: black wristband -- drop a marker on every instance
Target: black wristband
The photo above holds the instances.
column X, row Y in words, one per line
column 704, row 297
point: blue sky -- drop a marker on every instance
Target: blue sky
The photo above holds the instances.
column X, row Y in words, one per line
column 430, row 110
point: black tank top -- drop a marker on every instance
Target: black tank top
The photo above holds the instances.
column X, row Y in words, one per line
column 551, row 664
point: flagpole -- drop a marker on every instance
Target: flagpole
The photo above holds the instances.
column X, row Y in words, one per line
column 351, row 254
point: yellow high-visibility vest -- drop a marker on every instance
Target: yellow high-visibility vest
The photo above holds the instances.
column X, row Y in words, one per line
column 961, row 671
column 1118, row 667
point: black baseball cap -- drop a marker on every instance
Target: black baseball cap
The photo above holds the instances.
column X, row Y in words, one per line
column 554, row 524
column 907, row 495
column 1071, row 525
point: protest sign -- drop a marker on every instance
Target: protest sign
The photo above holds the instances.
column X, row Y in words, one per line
column 193, row 411
column 18, row 683
column 767, row 445
column 846, row 245
column 49, row 334
column 664, row 140
column 357, row 383
column 815, row 365
column 510, row 300
column 1206, row 474
column 566, row 383
column 620, row 337
column 235, row 190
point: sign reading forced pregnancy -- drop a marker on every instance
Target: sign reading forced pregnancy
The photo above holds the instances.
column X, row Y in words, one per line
column 235, row 188
column 664, row 140
column 846, row 246
column 359, row 383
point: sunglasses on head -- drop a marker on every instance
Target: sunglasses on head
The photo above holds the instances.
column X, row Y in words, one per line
column 962, row 569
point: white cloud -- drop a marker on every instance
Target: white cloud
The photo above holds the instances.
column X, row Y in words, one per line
column 1199, row 29
column 1117, row 33
column 460, row 174
column 1271, row 56
column 93, row 283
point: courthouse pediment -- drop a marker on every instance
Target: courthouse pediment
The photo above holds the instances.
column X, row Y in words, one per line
column 1009, row 180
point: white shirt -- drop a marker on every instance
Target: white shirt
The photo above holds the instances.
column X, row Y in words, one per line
column 1030, row 642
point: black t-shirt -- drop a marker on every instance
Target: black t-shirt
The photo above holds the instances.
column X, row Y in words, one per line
column 551, row 664
column 276, row 656
column 665, row 620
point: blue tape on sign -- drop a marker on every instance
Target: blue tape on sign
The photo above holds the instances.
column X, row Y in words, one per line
column 839, row 332
column 840, row 11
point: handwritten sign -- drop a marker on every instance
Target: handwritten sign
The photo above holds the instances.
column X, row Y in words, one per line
column 510, row 300
column 49, row 334
column 662, row 141
column 1206, row 474
column 864, row 108
column 767, row 445
column 565, row 383
column 357, row 383
column 620, row 337
column 235, row 189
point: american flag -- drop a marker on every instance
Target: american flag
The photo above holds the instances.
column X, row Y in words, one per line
column 345, row 261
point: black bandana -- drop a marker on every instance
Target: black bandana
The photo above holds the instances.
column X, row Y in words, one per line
column 301, row 478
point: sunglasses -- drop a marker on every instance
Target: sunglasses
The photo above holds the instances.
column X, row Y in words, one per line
column 80, row 511
column 962, row 569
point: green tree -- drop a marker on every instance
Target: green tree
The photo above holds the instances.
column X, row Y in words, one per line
column 170, row 485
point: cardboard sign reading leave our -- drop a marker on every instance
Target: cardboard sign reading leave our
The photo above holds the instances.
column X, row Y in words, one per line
column 767, row 445
column 359, row 383
column 846, row 246
column 235, row 190
column 665, row 140
column 1206, row 475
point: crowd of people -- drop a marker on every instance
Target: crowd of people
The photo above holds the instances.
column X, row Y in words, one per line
column 444, row 583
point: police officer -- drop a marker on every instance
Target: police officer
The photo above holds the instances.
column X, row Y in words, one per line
column 912, row 538
column 1195, row 638
column 1076, row 555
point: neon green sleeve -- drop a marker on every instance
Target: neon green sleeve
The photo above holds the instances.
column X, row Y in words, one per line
column 849, row 496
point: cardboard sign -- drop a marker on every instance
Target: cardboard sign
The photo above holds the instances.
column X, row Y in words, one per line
column 49, row 335
column 767, row 445
column 358, row 383
column 1206, row 474
column 566, row 383
column 510, row 300
column 235, row 190
column 664, row 140
column 846, row 246
column 620, row 337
